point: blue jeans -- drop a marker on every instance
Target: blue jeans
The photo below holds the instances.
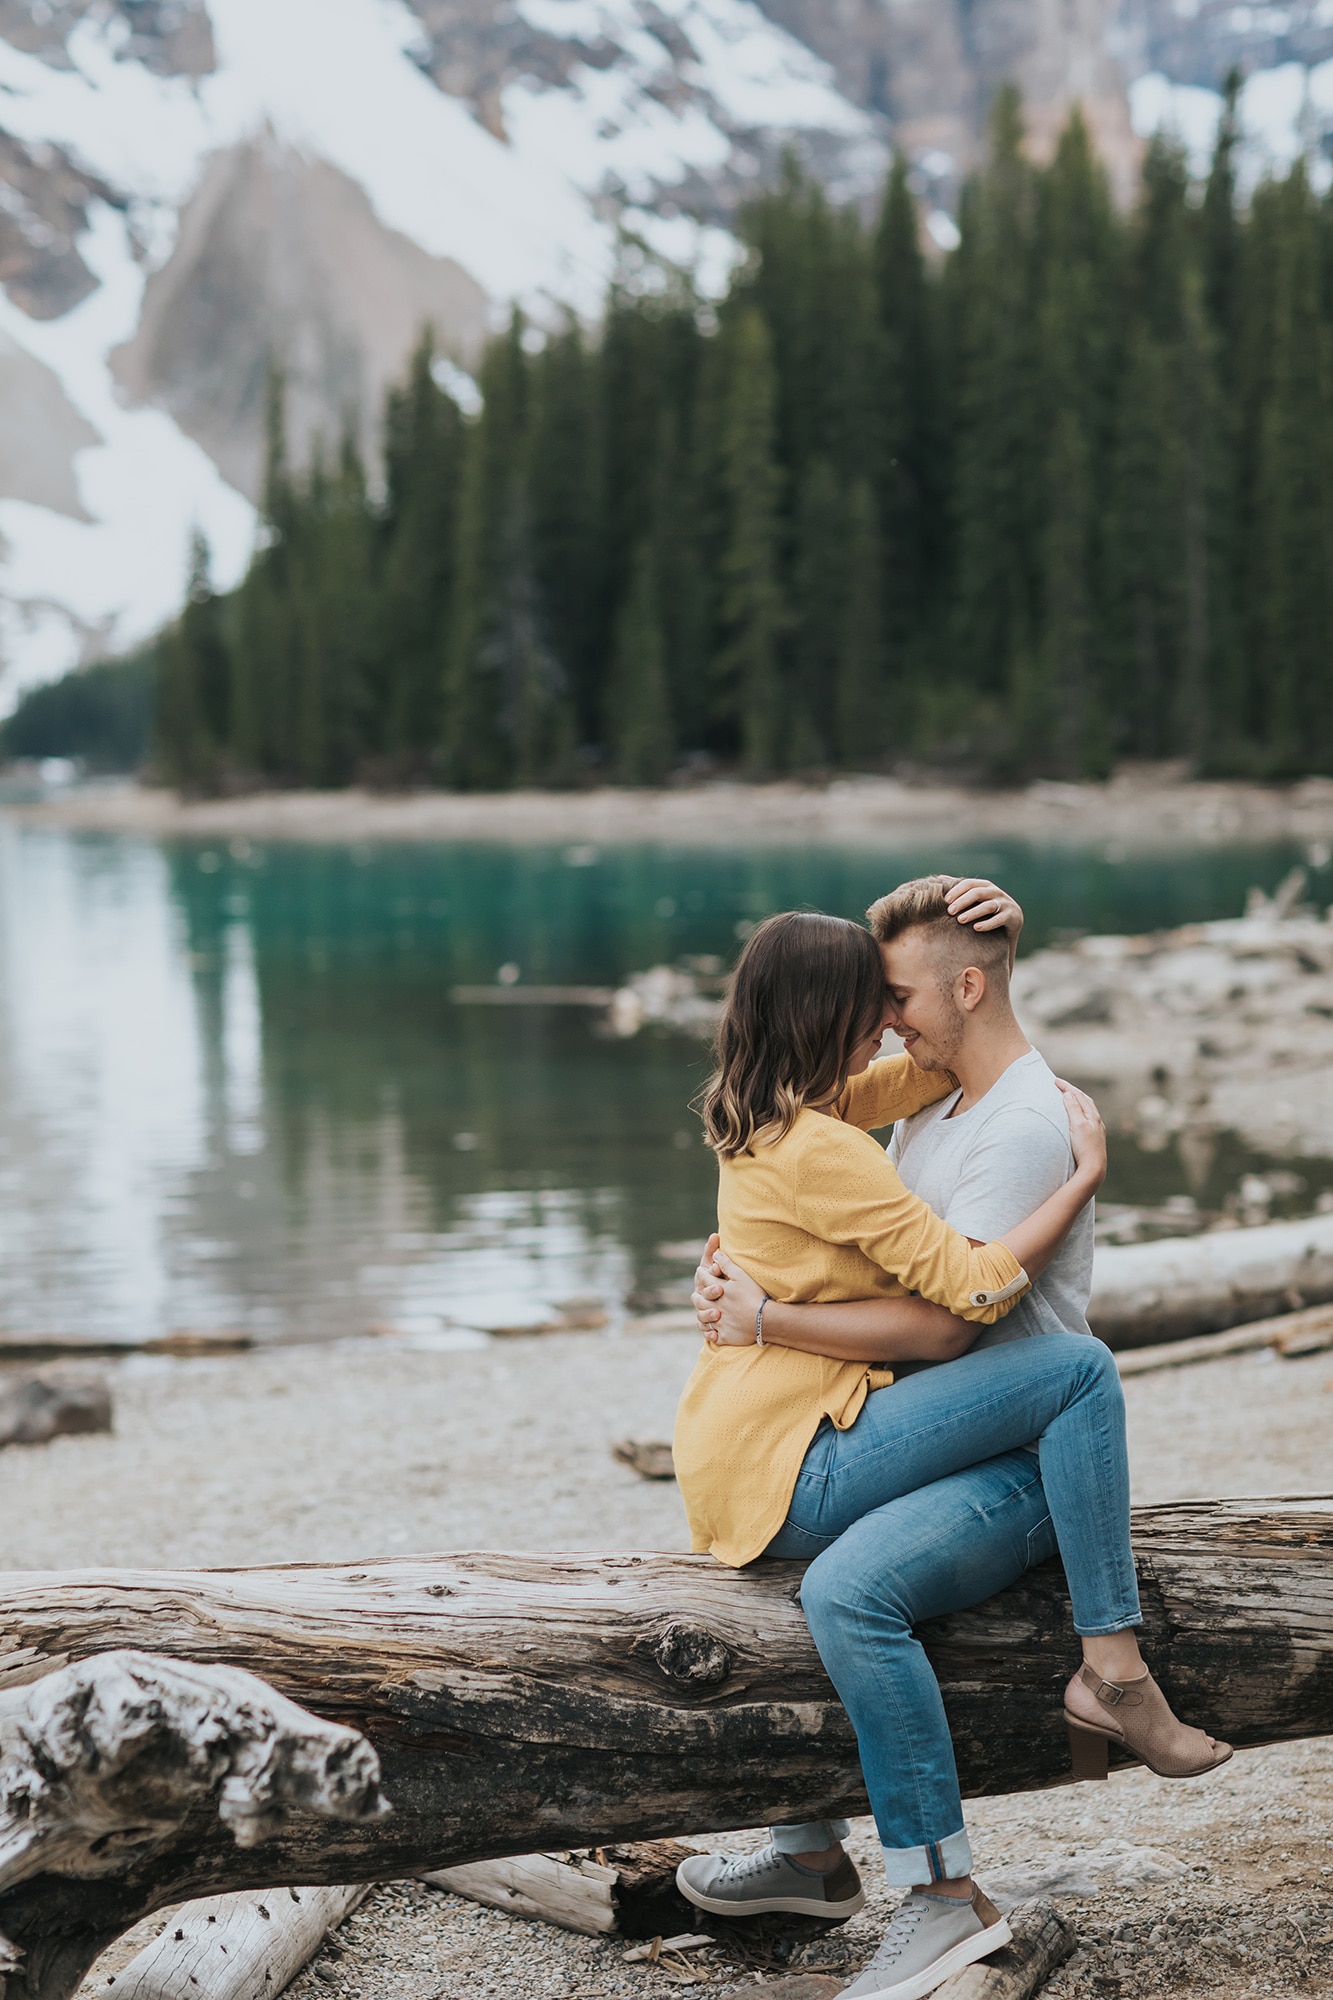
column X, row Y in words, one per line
column 930, row 1503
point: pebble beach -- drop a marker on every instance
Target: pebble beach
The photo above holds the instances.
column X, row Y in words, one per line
column 365, row 1447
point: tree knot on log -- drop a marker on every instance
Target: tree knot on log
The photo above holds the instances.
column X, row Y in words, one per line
column 101, row 1763
column 690, row 1655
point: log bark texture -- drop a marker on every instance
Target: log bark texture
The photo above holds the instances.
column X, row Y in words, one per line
column 108, row 1765
column 525, row 1702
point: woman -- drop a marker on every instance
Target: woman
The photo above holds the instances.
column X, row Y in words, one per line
column 913, row 1499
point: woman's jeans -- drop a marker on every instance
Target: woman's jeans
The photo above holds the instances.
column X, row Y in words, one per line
column 930, row 1502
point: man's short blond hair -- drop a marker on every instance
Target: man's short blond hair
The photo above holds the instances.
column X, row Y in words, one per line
column 923, row 904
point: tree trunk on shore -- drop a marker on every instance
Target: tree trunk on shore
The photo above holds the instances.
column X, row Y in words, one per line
column 522, row 1702
column 1143, row 1293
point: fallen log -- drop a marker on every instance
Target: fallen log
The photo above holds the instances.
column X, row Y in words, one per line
column 520, row 1703
column 1291, row 1336
column 184, row 1343
column 630, row 1890
column 1143, row 1293
column 1042, row 1941
column 233, row 1947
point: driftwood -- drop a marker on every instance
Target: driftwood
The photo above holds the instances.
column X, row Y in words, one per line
column 650, row 1458
column 520, row 1703
column 1184, row 1285
column 571, row 1890
column 108, row 1765
column 233, row 1947
column 1290, row 1336
column 627, row 1890
column 184, row 1343
column 56, row 1403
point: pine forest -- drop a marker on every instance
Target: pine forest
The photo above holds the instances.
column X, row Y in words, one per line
column 1061, row 497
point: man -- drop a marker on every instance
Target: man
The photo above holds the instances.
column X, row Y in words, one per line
column 989, row 1154
column 983, row 1157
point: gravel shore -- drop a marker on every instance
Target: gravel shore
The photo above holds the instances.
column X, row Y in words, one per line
column 317, row 1454
column 1136, row 810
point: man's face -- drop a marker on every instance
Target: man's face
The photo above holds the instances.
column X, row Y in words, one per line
column 921, row 1007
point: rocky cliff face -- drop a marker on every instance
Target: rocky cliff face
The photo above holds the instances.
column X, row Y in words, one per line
column 931, row 67
column 282, row 258
column 191, row 190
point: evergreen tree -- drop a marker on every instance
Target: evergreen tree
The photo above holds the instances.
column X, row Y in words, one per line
column 193, row 705
column 1202, row 706
column 999, row 440
column 535, row 719
column 680, row 566
column 1077, row 266
column 568, row 524
column 912, row 470
column 751, row 597
column 819, row 591
column 423, row 444
column 334, row 613
column 647, row 367
column 1142, row 513
column 859, row 687
column 262, row 678
column 1220, row 235
column 639, row 720
column 1294, row 621
column 479, row 714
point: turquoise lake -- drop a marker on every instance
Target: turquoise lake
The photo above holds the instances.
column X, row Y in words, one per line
column 235, row 1092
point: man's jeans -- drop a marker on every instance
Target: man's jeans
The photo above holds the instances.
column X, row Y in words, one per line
column 928, row 1504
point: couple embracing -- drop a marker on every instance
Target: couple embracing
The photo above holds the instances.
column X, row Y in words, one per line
column 866, row 1398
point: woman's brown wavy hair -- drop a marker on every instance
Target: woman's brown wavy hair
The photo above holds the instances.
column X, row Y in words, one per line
column 806, row 990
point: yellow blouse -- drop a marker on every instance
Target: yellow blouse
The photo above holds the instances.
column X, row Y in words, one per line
column 820, row 1215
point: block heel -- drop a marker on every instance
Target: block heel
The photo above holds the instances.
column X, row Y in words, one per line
column 1088, row 1751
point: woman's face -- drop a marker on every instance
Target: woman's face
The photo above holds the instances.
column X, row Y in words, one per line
column 867, row 1049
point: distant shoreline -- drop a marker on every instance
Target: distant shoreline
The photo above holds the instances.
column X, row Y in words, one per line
column 1129, row 813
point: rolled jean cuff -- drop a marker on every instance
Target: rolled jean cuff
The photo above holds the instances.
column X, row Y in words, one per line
column 946, row 1860
column 809, row 1836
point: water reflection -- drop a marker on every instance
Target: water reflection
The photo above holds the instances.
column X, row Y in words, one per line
column 233, row 1090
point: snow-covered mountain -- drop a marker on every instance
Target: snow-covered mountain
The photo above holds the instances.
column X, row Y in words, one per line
column 190, row 189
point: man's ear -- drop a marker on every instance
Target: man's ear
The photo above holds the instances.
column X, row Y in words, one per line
column 971, row 988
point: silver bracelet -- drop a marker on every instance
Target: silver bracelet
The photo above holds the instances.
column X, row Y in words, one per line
column 759, row 1321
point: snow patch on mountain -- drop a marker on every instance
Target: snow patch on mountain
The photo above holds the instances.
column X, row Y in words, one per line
column 1284, row 113
column 534, row 216
column 71, row 586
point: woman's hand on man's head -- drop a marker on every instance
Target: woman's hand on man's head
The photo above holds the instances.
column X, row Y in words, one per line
column 725, row 1299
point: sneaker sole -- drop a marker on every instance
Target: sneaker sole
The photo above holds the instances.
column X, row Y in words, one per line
column 760, row 1906
column 966, row 1953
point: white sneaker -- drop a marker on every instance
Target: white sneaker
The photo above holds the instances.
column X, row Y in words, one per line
column 747, row 1885
column 930, row 1938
